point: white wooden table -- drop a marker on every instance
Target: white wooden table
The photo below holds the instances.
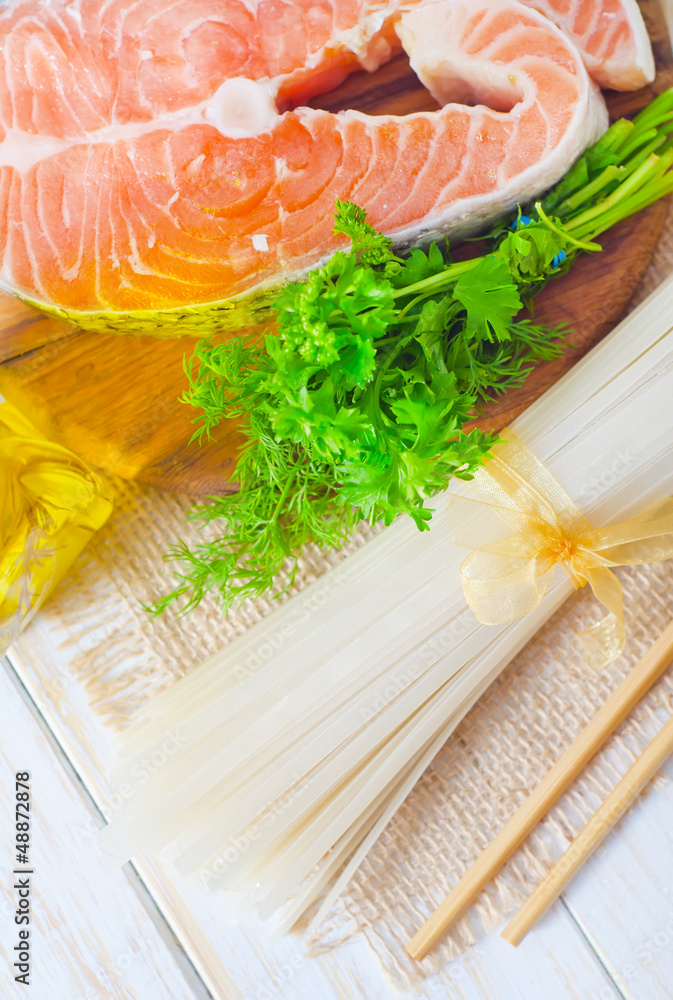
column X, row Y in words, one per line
column 142, row 934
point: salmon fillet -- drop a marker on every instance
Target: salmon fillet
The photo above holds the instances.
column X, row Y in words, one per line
column 610, row 34
column 149, row 179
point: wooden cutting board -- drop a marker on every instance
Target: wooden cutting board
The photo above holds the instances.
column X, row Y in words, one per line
column 115, row 400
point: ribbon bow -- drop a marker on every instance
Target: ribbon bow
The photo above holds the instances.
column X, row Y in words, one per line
column 522, row 523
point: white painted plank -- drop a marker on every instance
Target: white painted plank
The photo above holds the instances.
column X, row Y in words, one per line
column 623, row 897
column 540, row 967
column 238, row 960
column 91, row 938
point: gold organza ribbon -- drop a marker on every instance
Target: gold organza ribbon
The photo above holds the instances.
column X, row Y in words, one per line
column 522, row 523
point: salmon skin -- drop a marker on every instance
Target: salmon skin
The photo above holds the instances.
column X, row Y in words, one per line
column 150, row 181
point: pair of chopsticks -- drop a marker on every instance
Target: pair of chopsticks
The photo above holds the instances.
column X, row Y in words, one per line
column 643, row 676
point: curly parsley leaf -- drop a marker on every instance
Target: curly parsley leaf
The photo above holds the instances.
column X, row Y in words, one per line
column 369, row 246
column 334, row 317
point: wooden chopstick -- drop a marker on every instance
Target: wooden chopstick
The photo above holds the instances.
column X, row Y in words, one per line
column 646, row 672
column 592, row 835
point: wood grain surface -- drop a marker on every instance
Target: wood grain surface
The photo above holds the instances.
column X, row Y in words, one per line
column 115, row 400
column 91, row 936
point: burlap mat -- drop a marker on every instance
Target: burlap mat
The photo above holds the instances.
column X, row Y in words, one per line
column 501, row 750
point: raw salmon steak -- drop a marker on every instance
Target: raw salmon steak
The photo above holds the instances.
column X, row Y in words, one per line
column 611, row 36
column 152, row 179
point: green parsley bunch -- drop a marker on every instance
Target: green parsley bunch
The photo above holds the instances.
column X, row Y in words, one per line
column 354, row 408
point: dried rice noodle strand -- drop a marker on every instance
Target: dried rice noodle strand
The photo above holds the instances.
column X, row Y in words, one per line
column 304, row 755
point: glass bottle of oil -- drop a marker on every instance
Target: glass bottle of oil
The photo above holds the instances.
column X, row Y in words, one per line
column 50, row 505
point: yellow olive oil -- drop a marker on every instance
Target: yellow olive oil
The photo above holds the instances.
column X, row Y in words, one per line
column 50, row 505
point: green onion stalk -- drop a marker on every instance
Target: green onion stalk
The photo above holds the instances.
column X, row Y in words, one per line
column 626, row 171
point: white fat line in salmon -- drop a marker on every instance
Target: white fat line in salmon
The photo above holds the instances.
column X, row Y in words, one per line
column 23, row 150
